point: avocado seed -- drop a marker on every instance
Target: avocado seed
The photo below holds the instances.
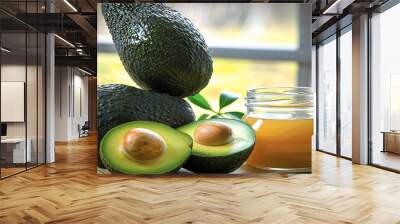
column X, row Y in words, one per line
column 143, row 144
column 213, row 134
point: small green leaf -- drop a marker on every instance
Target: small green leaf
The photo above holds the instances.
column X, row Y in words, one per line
column 226, row 98
column 200, row 101
column 235, row 114
column 202, row 117
column 216, row 116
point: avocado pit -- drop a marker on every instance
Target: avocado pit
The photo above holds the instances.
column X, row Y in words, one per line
column 213, row 133
column 142, row 144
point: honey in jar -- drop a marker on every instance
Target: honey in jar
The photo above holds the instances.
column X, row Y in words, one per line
column 283, row 121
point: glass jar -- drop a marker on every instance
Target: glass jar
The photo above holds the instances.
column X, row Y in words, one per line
column 283, row 120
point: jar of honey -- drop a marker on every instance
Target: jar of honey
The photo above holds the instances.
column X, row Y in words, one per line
column 283, row 120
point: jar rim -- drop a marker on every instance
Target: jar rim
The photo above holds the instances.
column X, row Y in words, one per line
column 269, row 90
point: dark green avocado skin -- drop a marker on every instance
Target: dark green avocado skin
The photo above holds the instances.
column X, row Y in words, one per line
column 118, row 104
column 160, row 49
column 228, row 164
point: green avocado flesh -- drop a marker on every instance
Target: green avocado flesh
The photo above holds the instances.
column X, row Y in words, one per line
column 118, row 104
column 223, row 158
column 177, row 152
column 160, row 49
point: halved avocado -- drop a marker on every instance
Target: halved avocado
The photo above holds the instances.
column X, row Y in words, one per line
column 213, row 155
column 113, row 149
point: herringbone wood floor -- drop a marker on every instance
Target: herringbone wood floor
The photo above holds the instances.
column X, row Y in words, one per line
column 69, row 191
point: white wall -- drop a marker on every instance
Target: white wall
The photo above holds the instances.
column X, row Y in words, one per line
column 33, row 126
column 12, row 73
column 13, row 101
column 62, row 81
column 16, row 73
column 71, row 102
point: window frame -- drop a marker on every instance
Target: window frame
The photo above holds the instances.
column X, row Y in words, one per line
column 381, row 9
column 27, row 29
column 333, row 37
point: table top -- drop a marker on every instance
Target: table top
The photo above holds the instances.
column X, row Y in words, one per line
column 391, row 132
column 13, row 140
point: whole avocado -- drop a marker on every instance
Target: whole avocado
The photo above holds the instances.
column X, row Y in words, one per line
column 118, row 104
column 160, row 49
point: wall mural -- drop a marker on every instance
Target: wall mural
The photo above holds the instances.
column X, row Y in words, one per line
column 204, row 88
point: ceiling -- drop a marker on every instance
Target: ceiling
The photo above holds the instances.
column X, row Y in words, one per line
column 73, row 21
column 331, row 15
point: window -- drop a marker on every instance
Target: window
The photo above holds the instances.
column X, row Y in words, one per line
column 385, row 89
column 346, row 93
column 22, row 76
column 327, row 96
column 334, row 63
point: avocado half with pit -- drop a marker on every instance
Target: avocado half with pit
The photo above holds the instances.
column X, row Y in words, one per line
column 219, row 145
column 118, row 104
column 144, row 147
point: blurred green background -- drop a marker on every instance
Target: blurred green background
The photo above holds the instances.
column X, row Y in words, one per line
column 269, row 35
column 234, row 75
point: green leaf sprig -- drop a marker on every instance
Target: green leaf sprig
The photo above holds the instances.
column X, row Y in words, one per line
column 225, row 99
